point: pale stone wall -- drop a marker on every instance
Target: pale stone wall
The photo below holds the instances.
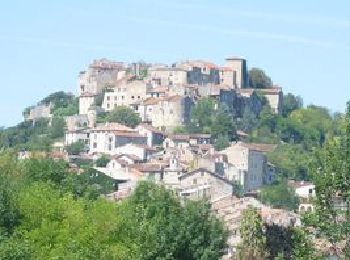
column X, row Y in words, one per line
column 124, row 95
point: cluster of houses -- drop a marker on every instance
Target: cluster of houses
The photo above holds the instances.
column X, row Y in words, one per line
column 188, row 164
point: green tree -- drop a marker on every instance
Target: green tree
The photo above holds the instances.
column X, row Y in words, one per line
column 253, row 240
column 279, row 196
column 76, row 148
column 102, row 161
column 258, row 79
column 222, row 142
column 57, row 128
column 125, row 116
column 291, row 103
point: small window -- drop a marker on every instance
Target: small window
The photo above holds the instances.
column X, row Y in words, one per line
column 132, row 97
column 108, row 98
column 194, row 181
column 95, row 145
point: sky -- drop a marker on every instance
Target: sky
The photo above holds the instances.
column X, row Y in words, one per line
column 304, row 46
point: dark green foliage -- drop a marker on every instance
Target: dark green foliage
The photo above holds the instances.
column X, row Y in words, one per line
column 211, row 118
column 258, row 79
column 57, row 128
column 291, row 103
column 291, row 161
column 163, row 229
column 279, row 196
column 222, row 142
column 102, row 161
column 76, row 148
column 59, row 215
column 123, row 115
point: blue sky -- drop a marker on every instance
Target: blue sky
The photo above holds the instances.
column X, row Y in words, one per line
column 303, row 45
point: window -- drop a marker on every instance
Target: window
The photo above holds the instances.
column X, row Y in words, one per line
column 310, row 191
column 115, row 98
column 194, row 181
column 138, row 97
column 108, row 106
column 122, row 97
column 108, row 98
column 95, row 145
column 132, row 97
column 95, row 136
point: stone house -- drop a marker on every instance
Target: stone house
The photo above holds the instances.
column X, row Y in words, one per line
column 168, row 76
column 124, row 94
column 154, row 135
column 251, row 160
column 202, row 183
column 200, row 72
column 38, row 112
column 141, row 151
column 99, row 75
column 239, row 66
column 77, row 122
column 171, row 112
column 227, row 76
column 107, row 138
column 274, row 96
column 74, row 136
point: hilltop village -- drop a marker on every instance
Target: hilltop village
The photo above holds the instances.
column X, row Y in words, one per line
column 157, row 146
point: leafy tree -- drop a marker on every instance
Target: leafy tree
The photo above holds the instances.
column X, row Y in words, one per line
column 202, row 114
column 71, row 109
column 302, row 246
column 57, row 128
column 279, row 196
column 291, row 103
column 125, row 116
column 258, row 79
column 222, row 142
column 330, row 170
column 291, row 161
column 76, row 148
column 253, row 240
column 158, row 227
column 102, row 161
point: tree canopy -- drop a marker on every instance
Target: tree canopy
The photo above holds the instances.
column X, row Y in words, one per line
column 258, row 79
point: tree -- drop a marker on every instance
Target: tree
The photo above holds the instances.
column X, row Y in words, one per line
column 291, row 161
column 279, row 196
column 125, row 116
column 102, row 161
column 157, row 226
column 253, row 240
column 202, row 114
column 76, row 148
column 330, row 170
column 222, row 142
column 258, row 79
column 291, row 103
column 57, row 128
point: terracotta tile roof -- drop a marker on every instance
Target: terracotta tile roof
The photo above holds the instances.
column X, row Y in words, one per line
column 147, row 167
column 259, row 147
column 151, row 128
column 111, row 126
column 159, row 90
column 128, row 134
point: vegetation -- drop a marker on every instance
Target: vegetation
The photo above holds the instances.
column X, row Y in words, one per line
column 279, row 196
column 46, row 212
column 258, row 79
column 123, row 115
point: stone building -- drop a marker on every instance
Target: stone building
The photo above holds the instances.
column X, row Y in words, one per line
column 124, row 94
column 251, row 160
column 38, row 112
column 167, row 76
column 239, row 66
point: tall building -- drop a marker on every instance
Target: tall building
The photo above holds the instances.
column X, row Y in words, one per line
column 239, row 65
